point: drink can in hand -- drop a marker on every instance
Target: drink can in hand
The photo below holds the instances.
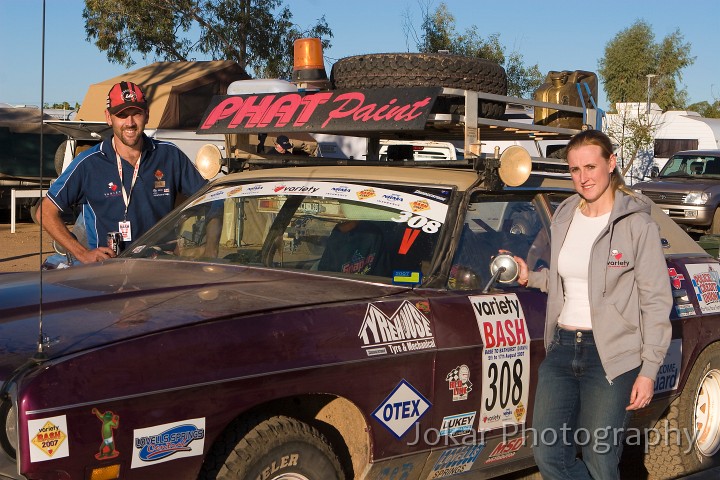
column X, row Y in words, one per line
column 114, row 242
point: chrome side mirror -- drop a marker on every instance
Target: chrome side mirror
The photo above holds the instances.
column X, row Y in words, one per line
column 504, row 269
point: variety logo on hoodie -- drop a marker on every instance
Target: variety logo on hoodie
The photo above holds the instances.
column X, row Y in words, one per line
column 616, row 259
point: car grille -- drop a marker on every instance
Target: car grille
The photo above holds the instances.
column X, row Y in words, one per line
column 666, row 197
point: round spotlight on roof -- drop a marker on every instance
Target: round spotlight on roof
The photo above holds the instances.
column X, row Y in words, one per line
column 515, row 166
column 208, row 160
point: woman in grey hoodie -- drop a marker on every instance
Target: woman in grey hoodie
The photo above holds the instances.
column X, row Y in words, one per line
column 607, row 325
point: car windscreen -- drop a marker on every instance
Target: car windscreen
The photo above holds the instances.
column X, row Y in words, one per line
column 691, row 166
column 388, row 231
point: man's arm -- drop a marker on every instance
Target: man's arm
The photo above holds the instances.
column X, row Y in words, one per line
column 54, row 225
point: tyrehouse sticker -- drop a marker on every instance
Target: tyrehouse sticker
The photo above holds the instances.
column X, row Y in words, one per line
column 406, row 330
column 506, row 360
column 705, row 280
column 401, row 409
column 170, row 441
column 48, row 438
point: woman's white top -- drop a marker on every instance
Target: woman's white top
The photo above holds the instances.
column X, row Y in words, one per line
column 573, row 265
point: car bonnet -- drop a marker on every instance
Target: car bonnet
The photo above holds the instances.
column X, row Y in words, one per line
column 93, row 305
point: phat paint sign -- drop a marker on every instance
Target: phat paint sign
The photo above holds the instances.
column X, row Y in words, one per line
column 705, row 279
column 506, row 360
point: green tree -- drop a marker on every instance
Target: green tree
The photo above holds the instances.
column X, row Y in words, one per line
column 632, row 55
column 634, row 133
column 706, row 109
column 257, row 34
column 438, row 32
column 61, row 106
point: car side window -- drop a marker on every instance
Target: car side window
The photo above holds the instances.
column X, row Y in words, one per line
column 491, row 224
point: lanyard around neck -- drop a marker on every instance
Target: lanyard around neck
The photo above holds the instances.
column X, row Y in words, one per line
column 126, row 195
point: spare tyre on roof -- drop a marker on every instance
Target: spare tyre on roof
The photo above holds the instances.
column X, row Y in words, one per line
column 381, row 70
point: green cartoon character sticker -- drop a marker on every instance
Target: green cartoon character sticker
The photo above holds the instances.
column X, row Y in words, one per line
column 110, row 422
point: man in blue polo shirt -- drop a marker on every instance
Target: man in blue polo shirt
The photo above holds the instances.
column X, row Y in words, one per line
column 124, row 184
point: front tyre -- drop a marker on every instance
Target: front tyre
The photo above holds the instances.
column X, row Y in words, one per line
column 695, row 414
column 281, row 448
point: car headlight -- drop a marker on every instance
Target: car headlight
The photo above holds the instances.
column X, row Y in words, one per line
column 697, row 198
column 9, row 440
column 637, row 190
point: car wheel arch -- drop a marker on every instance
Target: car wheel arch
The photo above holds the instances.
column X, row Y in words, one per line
column 694, row 351
column 664, row 459
column 337, row 418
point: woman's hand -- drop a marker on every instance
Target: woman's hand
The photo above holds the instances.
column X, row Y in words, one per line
column 641, row 394
column 523, row 271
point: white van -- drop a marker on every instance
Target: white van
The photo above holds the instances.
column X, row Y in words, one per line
column 419, row 150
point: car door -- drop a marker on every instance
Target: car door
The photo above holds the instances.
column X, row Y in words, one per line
column 490, row 340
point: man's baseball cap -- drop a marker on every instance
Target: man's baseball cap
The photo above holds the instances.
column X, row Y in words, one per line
column 125, row 95
column 284, row 142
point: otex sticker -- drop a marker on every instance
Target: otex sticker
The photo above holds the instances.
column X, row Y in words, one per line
column 401, row 409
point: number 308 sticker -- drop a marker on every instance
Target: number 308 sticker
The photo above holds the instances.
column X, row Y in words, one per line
column 415, row 224
column 418, row 221
column 506, row 360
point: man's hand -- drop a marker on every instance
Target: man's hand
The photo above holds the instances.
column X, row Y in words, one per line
column 97, row 255
column 53, row 224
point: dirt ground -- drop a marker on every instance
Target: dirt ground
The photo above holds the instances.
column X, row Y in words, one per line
column 20, row 251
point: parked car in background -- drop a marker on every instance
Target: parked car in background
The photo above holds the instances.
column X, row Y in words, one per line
column 688, row 190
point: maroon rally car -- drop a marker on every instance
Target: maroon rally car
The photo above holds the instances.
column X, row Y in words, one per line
column 321, row 323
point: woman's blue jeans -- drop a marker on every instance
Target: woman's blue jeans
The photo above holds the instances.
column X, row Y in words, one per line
column 578, row 409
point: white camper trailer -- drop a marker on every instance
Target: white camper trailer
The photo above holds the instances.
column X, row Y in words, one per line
column 674, row 131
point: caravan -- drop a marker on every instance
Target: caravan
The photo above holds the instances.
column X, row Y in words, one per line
column 672, row 131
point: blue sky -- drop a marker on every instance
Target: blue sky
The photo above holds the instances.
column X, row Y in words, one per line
column 555, row 35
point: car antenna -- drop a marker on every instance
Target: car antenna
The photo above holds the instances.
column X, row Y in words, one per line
column 40, row 355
